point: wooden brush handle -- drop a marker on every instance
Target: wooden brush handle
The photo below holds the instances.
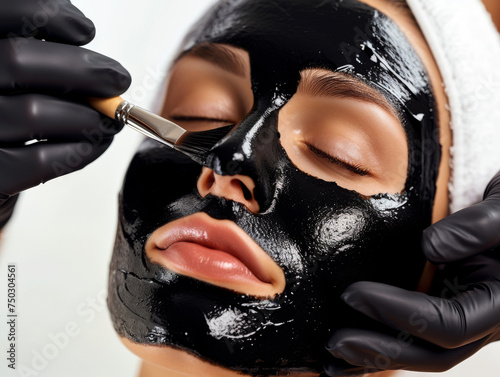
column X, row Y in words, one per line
column 106, row 106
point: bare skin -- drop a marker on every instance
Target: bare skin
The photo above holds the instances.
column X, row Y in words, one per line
column 169, row 362
column 493, row 8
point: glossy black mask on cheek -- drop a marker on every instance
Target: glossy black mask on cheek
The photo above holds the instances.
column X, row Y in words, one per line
column 323, row 236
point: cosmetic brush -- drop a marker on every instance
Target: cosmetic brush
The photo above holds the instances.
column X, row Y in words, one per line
column 194, row 144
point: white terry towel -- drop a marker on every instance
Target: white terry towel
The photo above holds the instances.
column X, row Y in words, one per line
column 466, row 46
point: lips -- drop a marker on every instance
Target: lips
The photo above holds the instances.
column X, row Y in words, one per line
column 217, row 252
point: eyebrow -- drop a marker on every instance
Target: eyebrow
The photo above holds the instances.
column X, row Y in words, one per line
column 314, row 82
column 219, row 55
column 324, row 83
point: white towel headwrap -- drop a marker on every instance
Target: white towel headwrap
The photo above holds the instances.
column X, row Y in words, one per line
column 466, row 46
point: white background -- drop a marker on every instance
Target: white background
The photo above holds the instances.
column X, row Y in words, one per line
column 62, row 233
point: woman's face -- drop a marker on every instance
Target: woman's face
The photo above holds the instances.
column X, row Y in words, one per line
column 327, row 178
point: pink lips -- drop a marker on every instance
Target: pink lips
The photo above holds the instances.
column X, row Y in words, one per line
column 217, row 252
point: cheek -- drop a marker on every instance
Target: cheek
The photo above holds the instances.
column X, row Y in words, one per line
column 339, row 230
column 343, row 237
column 155, row 178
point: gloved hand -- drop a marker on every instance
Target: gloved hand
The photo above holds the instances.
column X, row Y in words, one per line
column 432, row 333
column 44, row 82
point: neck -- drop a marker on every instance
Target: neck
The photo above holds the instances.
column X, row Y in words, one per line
column 151, row 370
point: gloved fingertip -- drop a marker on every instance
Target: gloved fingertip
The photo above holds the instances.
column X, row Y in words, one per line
column 429, row 243
column 493, row 188
column 125, row 80
column 110, row 127
column 87, row 33
column 336, row 343
column 120, row 79
column 353, row 300
column 354, row 295
column 330, row 344
column 346, row 297
column 333, row 370
column 80, row 28
column 7, row 204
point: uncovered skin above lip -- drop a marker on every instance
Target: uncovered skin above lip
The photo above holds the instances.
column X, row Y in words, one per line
column 217, row 252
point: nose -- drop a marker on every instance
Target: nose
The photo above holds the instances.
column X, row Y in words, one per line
column 238, row 188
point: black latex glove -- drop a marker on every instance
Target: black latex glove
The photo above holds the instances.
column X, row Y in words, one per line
column 43, row 89
column 432, row 333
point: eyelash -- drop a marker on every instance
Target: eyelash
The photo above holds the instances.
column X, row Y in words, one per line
column 357, row 169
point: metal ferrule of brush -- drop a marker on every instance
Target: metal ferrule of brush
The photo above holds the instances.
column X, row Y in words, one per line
column 149, row 124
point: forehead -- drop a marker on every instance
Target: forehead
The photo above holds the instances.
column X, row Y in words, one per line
column 315, row 82
column 284, row 37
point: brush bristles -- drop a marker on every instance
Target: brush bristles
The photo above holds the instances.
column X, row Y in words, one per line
column 198, row 144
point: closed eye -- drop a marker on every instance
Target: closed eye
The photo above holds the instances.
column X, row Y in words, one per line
column 357, row 169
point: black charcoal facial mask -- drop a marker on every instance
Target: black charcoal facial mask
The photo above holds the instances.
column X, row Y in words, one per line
column 323, row 236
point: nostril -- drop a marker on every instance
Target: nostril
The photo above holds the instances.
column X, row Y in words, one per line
column 241, row 188
column 246, row 192
column 206, row 181
column 232, row 187
column 210, row 180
